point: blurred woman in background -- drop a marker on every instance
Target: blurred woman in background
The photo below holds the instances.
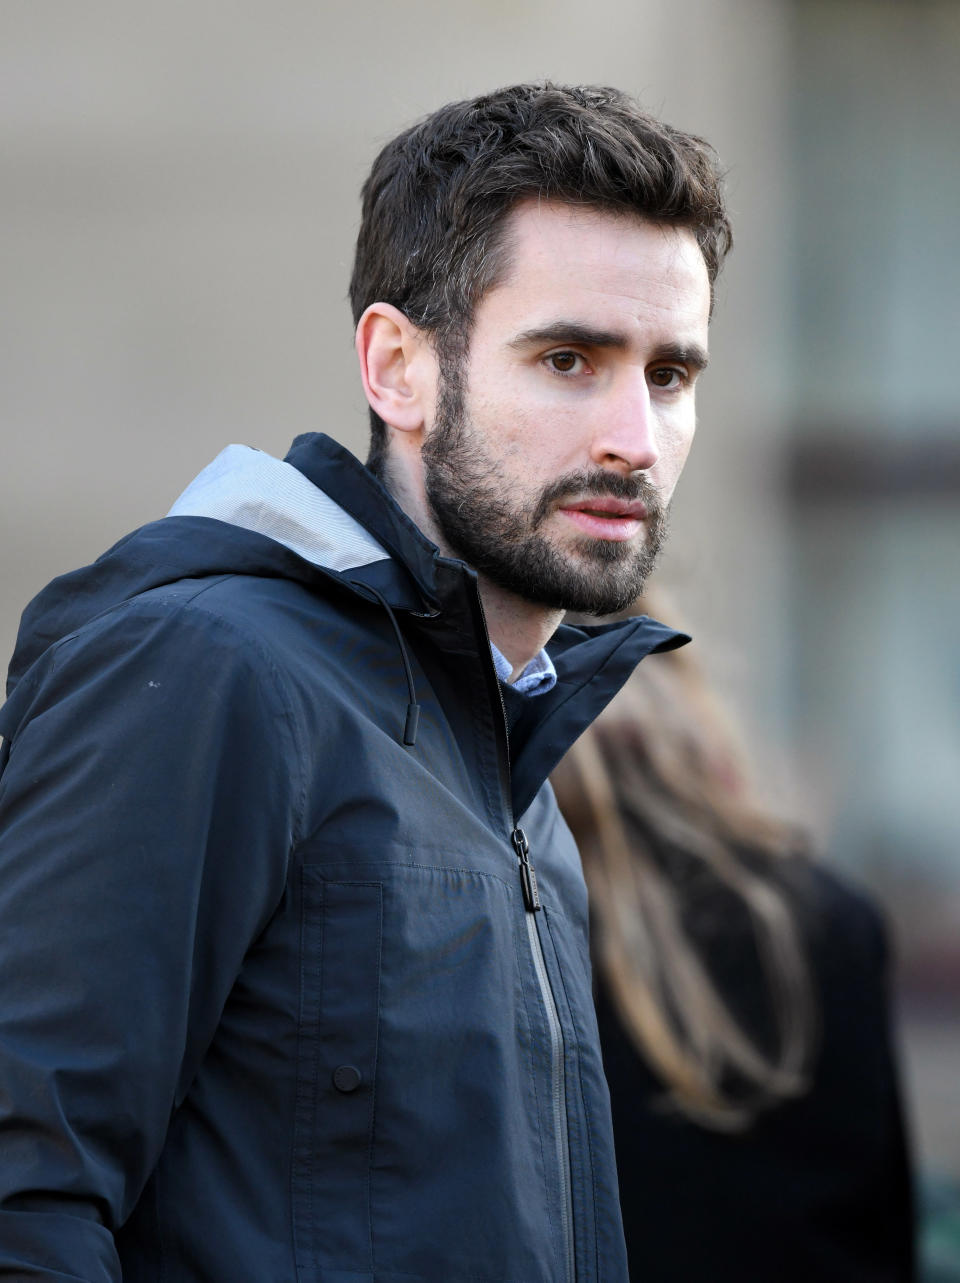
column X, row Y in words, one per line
column 743, row 1011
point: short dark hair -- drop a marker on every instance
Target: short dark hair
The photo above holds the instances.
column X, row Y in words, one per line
column 438, row 196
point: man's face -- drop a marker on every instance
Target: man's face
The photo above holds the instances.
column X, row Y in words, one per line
column 555, row 448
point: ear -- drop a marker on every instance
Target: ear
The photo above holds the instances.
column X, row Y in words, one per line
column 397, row 366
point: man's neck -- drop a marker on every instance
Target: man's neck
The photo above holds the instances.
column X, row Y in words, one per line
column 519, row 629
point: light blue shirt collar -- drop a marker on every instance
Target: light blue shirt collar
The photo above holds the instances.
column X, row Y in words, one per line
column 537, row 678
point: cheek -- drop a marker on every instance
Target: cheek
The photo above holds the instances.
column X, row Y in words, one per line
column 508, row 428
column 673, row 456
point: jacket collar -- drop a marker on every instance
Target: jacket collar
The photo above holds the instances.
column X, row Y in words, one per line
column 337, row 472
column 592, row 662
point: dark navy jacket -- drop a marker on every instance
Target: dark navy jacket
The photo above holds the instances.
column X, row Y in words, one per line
column 273, row 1007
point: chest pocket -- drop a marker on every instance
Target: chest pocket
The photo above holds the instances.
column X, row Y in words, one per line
column 341, row 925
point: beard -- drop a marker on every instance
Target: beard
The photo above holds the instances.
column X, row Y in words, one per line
column 504, row 541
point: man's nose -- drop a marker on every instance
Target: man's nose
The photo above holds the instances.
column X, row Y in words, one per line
column 625, row 440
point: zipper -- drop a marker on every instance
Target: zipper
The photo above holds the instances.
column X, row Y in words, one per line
column 528, row 877
column 558, row 1084
column 532, row 905
column 557, row 1072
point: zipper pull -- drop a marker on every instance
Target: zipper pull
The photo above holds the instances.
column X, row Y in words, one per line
column 528, row 879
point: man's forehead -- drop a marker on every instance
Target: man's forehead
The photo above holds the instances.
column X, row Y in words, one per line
column 534, row 218
column 594, row 265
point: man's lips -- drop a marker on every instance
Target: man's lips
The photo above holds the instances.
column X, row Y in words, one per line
column 604, row 517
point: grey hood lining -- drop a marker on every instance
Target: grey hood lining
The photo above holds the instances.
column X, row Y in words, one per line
column 253, row 490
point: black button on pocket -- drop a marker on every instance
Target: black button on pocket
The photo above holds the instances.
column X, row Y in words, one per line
column 346, row 1078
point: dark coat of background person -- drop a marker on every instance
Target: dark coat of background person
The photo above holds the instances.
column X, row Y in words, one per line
column 757, row 1113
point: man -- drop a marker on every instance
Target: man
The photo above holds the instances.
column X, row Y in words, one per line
column 296, row 982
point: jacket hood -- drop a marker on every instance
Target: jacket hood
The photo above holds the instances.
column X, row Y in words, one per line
column 251, row 514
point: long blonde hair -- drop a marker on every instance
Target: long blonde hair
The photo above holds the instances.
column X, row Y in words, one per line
column 655, row 794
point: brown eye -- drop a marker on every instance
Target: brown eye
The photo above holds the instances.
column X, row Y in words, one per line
column 665, row 377
column 564, row 362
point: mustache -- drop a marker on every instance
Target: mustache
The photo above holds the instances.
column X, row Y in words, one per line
column 611, row 484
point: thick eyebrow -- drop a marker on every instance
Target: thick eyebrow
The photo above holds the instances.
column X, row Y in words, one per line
column 570, row 332
column 691, row 354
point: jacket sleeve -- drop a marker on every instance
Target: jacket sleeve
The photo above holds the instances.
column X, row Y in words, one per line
column 148, row 804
